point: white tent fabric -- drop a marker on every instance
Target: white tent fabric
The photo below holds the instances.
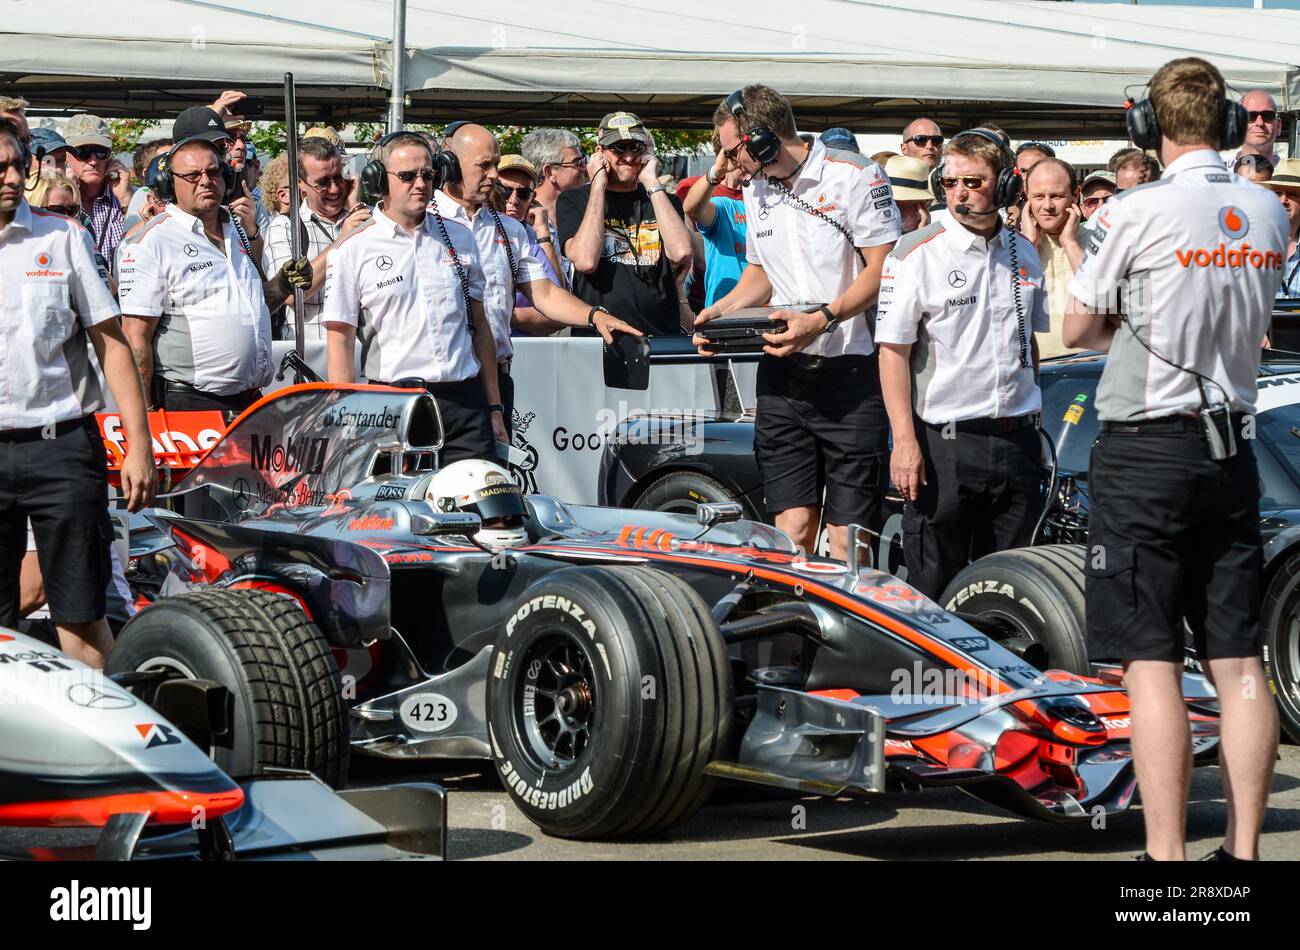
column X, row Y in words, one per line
column 521, row 60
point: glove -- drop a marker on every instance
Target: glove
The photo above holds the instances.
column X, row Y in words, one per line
column 294, row 274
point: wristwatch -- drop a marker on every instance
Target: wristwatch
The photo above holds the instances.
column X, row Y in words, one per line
column 591, row 316
column 832, row 321
column 655, row 190
column 711, row 180
column 545, row 240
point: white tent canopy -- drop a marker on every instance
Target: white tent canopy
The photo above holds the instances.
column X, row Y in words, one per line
column 1039, row 66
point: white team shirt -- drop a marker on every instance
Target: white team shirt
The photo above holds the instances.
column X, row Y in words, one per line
column 1195, row 259
column 499, row 284
column 214, row 330
column 952, row 294
column 50, row 292
column 403, row 294
column 810, row 261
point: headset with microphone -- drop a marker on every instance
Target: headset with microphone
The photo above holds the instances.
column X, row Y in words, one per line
column 374, row 176
column 1009, row 184
column 763, row 145
column 164, row 183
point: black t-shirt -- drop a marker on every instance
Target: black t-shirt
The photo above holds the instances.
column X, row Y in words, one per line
column 634, row 279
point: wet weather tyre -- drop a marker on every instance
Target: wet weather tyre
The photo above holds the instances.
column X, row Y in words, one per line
column 1035, row 593
column 1279, row 617
column 287, row 708
column 681, row 492
column 608, row 695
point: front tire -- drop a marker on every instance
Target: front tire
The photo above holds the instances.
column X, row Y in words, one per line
column 1280, row 643
column 287, row 699
column 1034, row 593
column 610, row 692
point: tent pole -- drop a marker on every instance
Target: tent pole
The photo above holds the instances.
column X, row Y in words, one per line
column 397, row 100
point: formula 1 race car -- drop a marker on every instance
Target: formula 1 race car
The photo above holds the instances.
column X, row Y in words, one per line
column 80, row 752
column 610, row 662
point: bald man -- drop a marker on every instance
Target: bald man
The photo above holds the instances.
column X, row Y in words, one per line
column 923, row 139
column 1265, row 124
column 510, row 258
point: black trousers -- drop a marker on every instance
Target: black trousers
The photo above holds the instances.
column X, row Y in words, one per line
column 507, row 387
column 61, row 484
column 1173, row 536
column 466, row 420
column 983, row 493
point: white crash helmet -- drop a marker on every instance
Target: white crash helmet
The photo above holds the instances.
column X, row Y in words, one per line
column 487, row 490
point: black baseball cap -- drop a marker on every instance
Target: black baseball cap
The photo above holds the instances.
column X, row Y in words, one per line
column 199, row 123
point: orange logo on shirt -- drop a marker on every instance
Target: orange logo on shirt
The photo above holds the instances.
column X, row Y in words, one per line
column 1237, row 257
column 42, row 259
column 1233, row 222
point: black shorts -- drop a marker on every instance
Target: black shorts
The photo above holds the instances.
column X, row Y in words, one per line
column 61, row 485
column 822, row 428
column 1172, row 536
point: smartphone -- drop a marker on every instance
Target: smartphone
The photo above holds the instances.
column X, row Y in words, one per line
column 251, row 106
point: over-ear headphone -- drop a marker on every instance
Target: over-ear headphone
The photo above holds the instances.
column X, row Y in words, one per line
column 164, row 183
column 24, row 147
column 763, row 145
column 1007, row 191
column 374, row 176
column 1144, row 130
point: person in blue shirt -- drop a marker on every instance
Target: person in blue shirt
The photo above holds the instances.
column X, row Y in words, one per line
column 1286, row 182
column 721, row 220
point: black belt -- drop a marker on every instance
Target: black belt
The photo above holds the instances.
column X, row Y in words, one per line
column 42, row 432
column 803, row 361
column 417, row 382
column 990, row 426
column 1182, row 422
column 176, row 386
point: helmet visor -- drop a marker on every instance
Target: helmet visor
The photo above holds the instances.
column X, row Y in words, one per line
column 498, row 501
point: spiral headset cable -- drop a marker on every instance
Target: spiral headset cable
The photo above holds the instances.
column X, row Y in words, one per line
column 1013, row 239
column 460, row 268
column 510, row 254
column 805, row 206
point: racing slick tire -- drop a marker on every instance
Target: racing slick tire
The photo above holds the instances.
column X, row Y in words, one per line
column 1279, row 616
column 609, row 693
column 1034, row 593
column 287, row 708
column 680, row 493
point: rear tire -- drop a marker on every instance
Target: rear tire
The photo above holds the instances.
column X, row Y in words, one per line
column 287, row 707
column 1280, row 643
column 610, row 692
column 1035, row 593
column 682, row 492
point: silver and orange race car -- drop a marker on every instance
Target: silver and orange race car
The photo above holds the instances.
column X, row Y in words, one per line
column 611, row 667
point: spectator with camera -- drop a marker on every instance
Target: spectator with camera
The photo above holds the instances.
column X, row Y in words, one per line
column 193, row 296
column 624, row 232
column 820, row 223
column 960, row 301
column 326, row 216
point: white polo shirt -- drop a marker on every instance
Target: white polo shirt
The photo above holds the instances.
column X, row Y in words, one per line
column 952, row 295
column 403, row 294
column 499, row 284
column 808, row 260
column 1195, row 260
column 214, row 330
column 50, row 293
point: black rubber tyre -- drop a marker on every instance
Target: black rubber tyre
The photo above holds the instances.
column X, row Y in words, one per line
column 287, row 699
column 1031, row 592
column 680, row 493
column 1279, row 617
column 610, row 692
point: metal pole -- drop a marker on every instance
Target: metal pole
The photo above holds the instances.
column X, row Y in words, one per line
column 295, row 221
column 397, row 99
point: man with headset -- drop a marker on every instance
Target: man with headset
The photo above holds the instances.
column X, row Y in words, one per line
column 506, row 255
column 409, row 285
column 1177, row 285
column 821, row 222
column 959, row 303
column 193, row 296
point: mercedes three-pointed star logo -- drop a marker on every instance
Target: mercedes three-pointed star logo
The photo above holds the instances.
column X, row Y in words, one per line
column 956, row 279
column 190, row 250
column 384, row 262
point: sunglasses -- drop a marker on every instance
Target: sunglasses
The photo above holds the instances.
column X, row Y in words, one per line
column 1095, row 201
column 920, row 140
column 338, row 181
column 1268, row 115
column 68, row 211
column 424, row 174
column 88, row 152
column 525, row 192
column 579, row 162
column 627, row 148
column 211, row 174
column 973, row 182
